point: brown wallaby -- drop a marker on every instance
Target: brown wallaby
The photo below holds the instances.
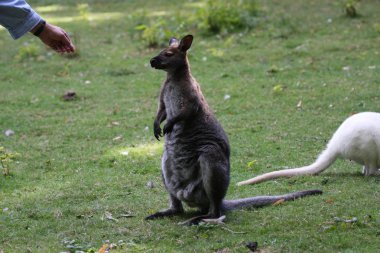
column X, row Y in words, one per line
column 196, row 159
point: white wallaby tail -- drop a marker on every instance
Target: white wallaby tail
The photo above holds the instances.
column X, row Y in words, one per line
column 323, row 162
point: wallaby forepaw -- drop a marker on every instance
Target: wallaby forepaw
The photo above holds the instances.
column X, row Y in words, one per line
column 157, row 131
column 168, row 128
column 158, row 135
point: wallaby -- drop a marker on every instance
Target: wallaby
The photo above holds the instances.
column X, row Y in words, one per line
column 196, row 158
column 357, row 139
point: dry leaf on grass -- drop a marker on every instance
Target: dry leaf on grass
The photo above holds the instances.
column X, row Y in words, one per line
column 9, row 132
column 252, row 246
column 118, row 138
column 69, row 95
column 278, row 202
column 126, row 215
column 107, row 215
column 218, row 221
column 104, row 248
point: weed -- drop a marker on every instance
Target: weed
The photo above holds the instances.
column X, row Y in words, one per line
column 156, row 32
column 84, row 10
column 215, row 17
column 351, row 7
column 6, row 159
column 227, row 16
column 27, row 51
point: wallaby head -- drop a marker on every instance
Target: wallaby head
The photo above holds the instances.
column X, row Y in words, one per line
column 173, row 57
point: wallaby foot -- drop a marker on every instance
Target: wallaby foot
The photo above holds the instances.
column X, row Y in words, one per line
column 166, row 213
column 370, row 171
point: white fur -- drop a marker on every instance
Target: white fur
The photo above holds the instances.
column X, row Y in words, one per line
column 357, row 139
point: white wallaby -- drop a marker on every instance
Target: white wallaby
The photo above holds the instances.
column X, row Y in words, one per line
column 357, row 139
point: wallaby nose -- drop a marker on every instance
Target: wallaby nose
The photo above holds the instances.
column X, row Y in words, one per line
column 153, row 62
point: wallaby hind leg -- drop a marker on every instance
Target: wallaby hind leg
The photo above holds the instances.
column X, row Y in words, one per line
column 175, row 204
column 215, row 177
column 369, row 170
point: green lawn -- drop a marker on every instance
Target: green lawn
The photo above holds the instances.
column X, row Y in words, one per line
column 82, row 161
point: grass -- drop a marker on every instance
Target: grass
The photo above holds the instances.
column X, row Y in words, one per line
column 82, row 160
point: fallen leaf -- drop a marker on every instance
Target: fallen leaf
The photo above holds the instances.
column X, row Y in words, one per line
column 117, row 138
column 252, row 246
column 69, row 95
column 150, row 184
column 9, row 132
column 329, row 201
column 353, row 220
column 299, row 105
column 218, row 221
column 113, row 246
column 103, row 249
column 227, row 96
column 278, row 202
column 109, row 216
column 126, row 215
column 273, row 70
column 251, row 163
column 278, row 89
column 125, row 152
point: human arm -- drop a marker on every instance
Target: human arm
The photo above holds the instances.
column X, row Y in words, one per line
column 19, row 18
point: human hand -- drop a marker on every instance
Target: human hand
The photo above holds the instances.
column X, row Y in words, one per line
column 57, row 39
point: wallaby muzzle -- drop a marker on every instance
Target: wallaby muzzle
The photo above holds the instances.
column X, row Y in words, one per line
column 155, row 63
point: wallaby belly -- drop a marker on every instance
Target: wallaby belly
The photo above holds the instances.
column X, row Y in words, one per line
column 182, row 174
column 180, row 162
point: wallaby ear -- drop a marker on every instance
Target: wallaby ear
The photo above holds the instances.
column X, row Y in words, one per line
column 185, row 43
column 172, row 41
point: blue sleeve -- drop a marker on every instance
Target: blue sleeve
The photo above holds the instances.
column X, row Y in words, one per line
column 17, row 17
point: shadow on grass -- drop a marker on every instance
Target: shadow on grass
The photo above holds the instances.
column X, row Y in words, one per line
column 343, row 174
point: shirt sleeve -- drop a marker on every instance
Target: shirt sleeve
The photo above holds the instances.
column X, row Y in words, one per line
column 17, row 17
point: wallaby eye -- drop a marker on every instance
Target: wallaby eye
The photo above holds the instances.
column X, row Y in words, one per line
column 168, row 54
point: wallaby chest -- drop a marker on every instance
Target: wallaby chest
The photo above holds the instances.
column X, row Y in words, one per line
column 174, row 98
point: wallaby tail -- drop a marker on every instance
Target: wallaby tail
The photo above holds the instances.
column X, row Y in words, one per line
column 260, row 201
column 323, row 162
